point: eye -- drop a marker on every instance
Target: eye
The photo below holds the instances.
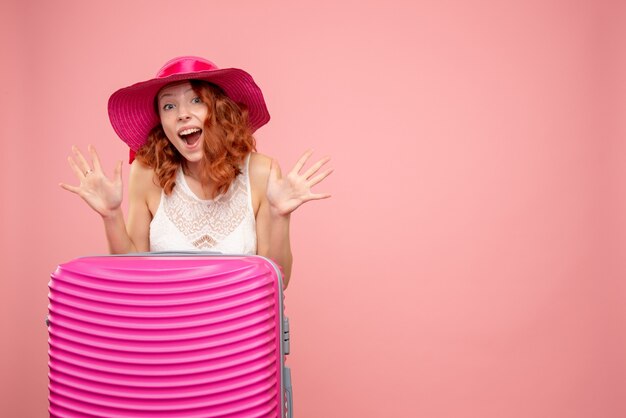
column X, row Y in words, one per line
column 196, row 100
column 168, row 106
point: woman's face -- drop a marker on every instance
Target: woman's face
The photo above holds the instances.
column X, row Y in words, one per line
column 182, row 114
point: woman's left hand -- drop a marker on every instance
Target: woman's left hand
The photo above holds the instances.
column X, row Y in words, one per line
column 286, row 194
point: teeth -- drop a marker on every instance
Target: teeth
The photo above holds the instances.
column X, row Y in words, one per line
column 189, row 131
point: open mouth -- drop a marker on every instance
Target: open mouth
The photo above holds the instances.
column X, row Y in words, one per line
column 190, row 136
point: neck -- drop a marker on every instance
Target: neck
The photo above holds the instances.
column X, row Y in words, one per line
column 193, row 169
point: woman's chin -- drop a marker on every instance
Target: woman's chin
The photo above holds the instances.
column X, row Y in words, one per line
column 194, row 157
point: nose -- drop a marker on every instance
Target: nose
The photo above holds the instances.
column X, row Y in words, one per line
column 183, row 114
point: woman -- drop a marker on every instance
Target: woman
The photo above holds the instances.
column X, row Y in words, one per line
column 196, row 182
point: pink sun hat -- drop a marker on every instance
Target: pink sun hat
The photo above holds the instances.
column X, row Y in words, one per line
column 132, row 111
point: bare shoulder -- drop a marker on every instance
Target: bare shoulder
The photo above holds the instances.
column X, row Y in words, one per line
column 259, row 168
column 143, row 187
column 259, row 172
column 140, row 169
column 141, row 177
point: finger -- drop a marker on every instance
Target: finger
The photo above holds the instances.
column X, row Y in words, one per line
column 82, row 163
column 303, row 159
column 317, row 196
column 94, row 157
column 79, row 173
column 320, row 177
column 316, row 167
column 117, row 171
column 67, row 187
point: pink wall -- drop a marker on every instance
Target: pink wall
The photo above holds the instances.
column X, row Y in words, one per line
column 471, row 260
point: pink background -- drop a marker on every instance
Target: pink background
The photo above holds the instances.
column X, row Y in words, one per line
column 471, row 260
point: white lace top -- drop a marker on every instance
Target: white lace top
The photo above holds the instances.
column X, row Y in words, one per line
column 183, row 222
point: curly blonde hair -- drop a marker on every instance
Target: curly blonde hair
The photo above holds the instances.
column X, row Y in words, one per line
column 227, row 140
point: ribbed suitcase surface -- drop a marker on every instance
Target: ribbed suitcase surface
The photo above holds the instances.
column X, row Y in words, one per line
column 177, row 336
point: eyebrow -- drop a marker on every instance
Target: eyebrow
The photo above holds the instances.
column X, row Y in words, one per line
column 170, row 94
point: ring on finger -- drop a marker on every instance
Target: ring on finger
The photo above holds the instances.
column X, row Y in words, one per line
column 88, row 172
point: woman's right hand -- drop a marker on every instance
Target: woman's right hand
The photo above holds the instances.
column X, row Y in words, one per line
column 104, row 195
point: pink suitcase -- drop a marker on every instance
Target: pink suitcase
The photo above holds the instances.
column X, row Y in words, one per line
column 168, row 335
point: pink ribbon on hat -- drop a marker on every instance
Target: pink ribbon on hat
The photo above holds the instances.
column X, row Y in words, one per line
column 182, row 66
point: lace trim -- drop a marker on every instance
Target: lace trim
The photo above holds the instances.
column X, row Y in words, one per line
column 207, row 222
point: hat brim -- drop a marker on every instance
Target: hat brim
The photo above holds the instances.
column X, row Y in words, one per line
column 132, row 113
